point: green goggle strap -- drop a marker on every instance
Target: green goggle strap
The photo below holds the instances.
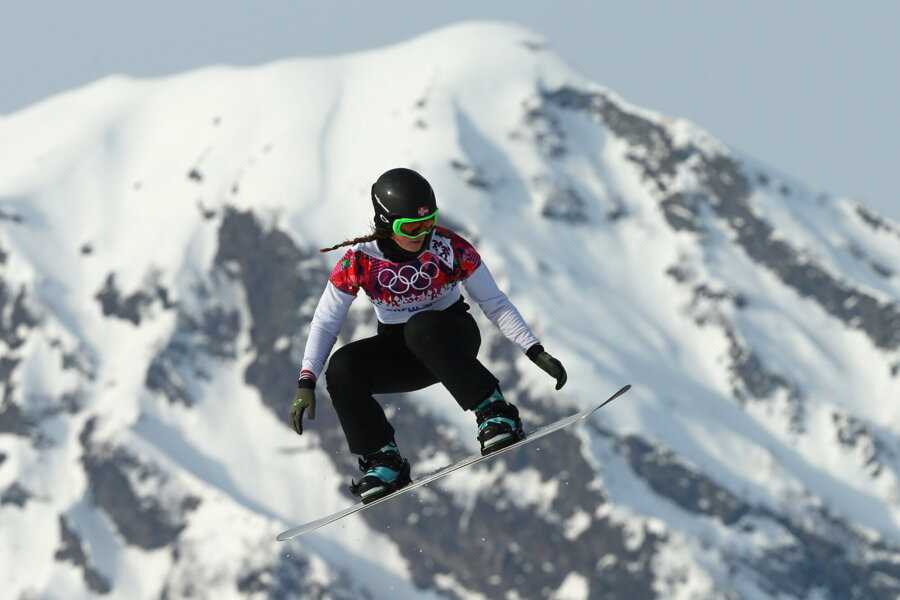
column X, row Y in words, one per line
column 400, row 222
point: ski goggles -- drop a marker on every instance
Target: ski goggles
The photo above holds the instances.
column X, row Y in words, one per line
column 415, row 228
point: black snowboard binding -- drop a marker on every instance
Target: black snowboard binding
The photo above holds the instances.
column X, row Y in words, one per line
column 499, row 426
column 385, row 472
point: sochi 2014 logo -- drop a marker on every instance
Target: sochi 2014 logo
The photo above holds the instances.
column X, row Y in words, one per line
column 409, row 277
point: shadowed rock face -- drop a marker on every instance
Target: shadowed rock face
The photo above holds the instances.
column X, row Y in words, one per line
column 725, row 193
column 877, row 267
column 750, row 377
column 12, row 419
column 828, row 560
column 854, row 433
column 874, row 221
column 15, row 317
column 271, row 270
column 816, row 551
column 722, row 201
column 472, row 176
column 692, row 491
column 11, row 217
column 564, row 203
column 145, row 520
column 132, row 307
column 71, row 550
column 288, row 578
column 812, row 560
column 265, row 571
column 211, row 335
column 15, row 495
column 16, row 323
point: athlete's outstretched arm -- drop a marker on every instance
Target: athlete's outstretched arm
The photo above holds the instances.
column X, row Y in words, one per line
column 481, row 287
column 323, row 331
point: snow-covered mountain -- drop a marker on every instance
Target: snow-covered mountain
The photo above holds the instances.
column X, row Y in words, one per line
column 159, row 267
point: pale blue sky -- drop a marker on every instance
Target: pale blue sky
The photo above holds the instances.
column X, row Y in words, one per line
column 811, row 88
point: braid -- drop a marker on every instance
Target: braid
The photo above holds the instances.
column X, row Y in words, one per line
column 373, row 235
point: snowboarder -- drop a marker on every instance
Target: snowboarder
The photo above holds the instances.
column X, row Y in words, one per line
column 411, row 269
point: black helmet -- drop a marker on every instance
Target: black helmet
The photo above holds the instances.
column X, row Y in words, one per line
column 400, row 193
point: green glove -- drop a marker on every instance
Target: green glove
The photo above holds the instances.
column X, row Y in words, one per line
column 305, row 399
column 552, row 366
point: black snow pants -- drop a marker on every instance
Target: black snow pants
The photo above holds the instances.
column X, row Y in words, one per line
column 431, row 347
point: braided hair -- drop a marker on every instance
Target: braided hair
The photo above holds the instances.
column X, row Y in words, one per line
column 375, row 234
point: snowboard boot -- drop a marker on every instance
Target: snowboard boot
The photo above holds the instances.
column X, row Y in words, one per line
column 499, row 424
column 385, row 472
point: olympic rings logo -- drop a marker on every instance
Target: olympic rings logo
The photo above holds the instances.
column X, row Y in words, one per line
column 409, row 277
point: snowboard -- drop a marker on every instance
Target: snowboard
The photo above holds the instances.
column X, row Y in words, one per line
column 466, row 462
